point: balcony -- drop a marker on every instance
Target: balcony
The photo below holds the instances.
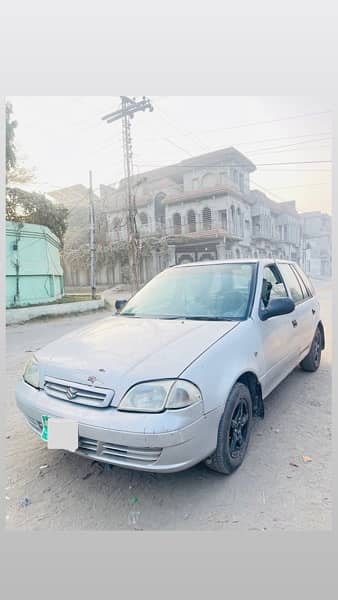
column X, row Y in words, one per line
column 212, row 224
column 263, row 234
column 209, row 224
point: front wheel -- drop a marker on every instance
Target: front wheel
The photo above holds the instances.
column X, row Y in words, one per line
column 312, row 361
column 233, row 432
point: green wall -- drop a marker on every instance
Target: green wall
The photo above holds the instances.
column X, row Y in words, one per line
column 33, row 265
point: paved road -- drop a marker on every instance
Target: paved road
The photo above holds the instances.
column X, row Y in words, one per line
column 266, row 493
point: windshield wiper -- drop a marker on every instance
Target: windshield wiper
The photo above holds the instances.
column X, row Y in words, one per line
column 197, row 318
column 177, row 317
column 205, row 318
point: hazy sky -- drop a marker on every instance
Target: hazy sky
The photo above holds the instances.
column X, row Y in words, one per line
column 64, row 136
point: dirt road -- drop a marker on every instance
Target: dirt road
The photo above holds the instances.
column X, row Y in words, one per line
column 273, row 490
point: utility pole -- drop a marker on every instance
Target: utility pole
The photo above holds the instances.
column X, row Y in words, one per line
column 129, row 106
column 92, row 238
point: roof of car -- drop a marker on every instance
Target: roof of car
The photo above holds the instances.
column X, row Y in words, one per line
column 262, row 261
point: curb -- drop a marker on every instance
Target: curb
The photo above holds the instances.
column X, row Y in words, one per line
column 21, row 315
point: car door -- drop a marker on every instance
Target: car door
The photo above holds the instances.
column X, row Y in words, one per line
column 305, row 311
column 311, row 309
column 279, row 343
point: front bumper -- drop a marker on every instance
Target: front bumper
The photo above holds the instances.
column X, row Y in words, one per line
column 166, row 442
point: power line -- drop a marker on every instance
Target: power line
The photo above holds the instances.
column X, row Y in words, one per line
column 286, row 146
column 179, row 147
column 288, row 137
column 178, row 128
column 240, row 126
column 220, row 164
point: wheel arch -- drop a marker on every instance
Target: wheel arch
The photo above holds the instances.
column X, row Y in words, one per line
column 321, row 327
column 250, row 379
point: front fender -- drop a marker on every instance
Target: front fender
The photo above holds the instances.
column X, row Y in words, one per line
column 217, row 370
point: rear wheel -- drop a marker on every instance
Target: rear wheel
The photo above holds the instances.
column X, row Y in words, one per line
column 312, row 361
column 233, row 432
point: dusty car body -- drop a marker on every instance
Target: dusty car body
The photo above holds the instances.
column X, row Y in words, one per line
column 157, row 390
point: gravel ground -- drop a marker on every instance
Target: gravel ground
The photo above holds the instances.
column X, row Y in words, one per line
column 273, row 490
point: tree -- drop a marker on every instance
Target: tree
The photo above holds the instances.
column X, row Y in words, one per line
column 10, row 135
column 30, row 207
column 15, row 173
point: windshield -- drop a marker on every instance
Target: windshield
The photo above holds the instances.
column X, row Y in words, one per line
column 206, row 292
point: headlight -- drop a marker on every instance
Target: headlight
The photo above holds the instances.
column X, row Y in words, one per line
column 31, row 372
column 155, row 396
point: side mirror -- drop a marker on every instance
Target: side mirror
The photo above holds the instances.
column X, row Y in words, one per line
column 119, row 304
column 277, row 307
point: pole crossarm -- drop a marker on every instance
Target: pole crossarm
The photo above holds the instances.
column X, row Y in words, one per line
column 130, row 107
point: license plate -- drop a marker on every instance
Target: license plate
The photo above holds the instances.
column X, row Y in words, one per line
column 60, row 434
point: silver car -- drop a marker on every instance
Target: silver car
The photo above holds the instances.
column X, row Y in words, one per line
column 176, row 376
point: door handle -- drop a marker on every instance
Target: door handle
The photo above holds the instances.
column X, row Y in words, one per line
column 294, row 323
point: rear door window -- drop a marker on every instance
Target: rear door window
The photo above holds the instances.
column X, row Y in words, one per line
column 292, row 282
column 304, row 289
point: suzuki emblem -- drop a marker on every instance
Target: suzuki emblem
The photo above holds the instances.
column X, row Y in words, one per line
column 71, row 393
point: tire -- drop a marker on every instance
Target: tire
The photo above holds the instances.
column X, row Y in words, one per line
column 312, row 361
column 232, row 442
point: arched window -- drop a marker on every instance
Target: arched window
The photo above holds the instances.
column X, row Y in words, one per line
column 117, row 227
column 209, row 180
column 241, row 182
column 185, row 258
column 177, row 222
column 160, row 214
column 206, row 256
column 206, row 218
column 191, row 220
column 239, row 220
column 144, row 218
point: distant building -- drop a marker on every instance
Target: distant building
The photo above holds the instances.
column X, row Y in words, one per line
column 276, row 228
column 77, row 272
column 316, row 244
column 34, row 273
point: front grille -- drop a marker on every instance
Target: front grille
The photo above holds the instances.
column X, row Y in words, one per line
column 117, row 453
column 76, row 392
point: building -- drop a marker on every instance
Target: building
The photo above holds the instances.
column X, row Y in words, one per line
column 76, row 259
column 203, row 208
column 276, row 228
column 34, row 273
column 316, row 244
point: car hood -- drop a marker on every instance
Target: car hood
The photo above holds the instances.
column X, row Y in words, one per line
column 120, row 351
